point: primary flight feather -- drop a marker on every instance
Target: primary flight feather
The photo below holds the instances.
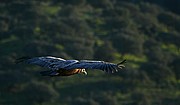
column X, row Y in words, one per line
column 62, row 67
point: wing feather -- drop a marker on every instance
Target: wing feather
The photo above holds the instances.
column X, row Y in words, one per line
column 48, row 61
column 109, row 68
column 85, row 64
column 106, row 68
column 54, row 63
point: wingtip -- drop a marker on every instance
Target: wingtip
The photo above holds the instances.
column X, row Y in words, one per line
column 124, row 61
column 120, row 65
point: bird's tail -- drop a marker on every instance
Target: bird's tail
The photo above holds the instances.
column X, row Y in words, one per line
column 49, row 73
column 22, row 59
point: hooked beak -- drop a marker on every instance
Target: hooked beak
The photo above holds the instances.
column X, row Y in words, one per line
column 84, row 71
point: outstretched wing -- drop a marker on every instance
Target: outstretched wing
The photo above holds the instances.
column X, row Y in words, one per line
column 54, row 63
column 49, row 62
column 105, row 66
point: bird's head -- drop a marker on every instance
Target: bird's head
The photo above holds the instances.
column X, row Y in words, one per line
column 84, row 71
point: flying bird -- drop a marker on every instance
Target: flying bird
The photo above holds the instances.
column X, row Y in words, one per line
column 62, row 67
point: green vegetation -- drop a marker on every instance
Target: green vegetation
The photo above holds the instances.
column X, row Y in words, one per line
column 147, row 34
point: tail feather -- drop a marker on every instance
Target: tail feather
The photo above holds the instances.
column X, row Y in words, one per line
column 22, row 59
column 48, row 73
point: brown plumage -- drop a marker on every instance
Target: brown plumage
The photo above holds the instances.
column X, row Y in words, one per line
column 62, row 72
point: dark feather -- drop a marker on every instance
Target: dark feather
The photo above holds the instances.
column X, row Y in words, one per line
column 54, row 63
column 22, row 59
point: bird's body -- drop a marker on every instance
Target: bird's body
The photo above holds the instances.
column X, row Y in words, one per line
column 69, row 72
column 62, row 67
column 62, row 72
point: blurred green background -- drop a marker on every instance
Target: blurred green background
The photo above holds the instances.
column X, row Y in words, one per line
column 145, row 32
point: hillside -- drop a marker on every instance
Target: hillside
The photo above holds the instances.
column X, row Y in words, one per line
column 145, row 32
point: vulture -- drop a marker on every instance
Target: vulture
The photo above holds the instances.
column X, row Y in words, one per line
column 62, row 67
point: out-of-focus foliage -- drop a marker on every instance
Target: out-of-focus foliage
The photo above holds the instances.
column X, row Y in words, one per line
column 145, row 32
